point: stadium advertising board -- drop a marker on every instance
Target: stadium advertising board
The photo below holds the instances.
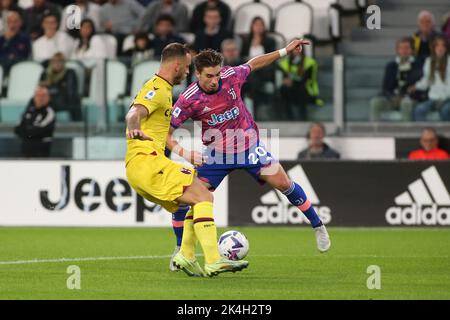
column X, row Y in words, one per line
column 350, row 194
column 80, row 193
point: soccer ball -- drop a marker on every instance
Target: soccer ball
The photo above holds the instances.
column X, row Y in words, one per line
column 233, row 245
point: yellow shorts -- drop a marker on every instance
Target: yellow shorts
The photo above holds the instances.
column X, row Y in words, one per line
column 159, row 179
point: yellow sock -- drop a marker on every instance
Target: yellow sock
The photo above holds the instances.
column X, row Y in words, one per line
column 189, row 239
column 206, row 231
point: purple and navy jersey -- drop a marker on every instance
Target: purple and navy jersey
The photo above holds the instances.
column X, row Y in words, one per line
column 227, row 125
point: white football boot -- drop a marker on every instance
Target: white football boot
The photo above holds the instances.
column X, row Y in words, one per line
column 172, row 267
column 322, row 238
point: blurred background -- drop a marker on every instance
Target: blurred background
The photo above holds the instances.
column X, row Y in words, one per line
column 372, row 88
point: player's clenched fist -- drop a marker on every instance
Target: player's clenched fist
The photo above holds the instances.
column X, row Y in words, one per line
column 138, row 134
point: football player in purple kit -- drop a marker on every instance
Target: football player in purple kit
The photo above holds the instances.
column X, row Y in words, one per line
column 230, row 135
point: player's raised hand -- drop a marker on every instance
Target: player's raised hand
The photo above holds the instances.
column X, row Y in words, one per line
column 138, row 134
column 296, row 45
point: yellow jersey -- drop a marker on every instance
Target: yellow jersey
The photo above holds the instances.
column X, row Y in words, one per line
column 156, row 96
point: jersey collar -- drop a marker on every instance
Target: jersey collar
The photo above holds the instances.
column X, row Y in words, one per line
column 164, row 79
column 220, row 88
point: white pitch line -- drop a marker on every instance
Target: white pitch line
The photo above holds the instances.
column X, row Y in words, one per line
column 59, row 260
column 81, row 259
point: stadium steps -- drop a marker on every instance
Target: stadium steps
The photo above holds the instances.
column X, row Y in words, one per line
column 408, row 16
column 386, row 34
column 408, row 3
column 366, row 48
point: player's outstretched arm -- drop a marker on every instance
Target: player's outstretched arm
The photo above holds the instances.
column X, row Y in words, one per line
column 133, row 119
column 264, row 60
column 193, row 157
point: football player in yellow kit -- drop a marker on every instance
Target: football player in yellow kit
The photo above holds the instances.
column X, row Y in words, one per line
column 163, row 181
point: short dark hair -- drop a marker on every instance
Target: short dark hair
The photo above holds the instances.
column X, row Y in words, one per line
column 213, row 9
column 174, row 50
column 207, row 58
column 50, row 14
column 165, row 17
column 409, row 40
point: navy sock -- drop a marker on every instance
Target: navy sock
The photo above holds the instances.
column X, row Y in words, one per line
column 297, row 197
column 178, row 221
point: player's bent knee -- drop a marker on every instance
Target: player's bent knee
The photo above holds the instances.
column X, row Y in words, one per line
column 284, row 184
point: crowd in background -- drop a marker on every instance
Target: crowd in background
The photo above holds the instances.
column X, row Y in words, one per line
column 417, row 81
column 49, row 28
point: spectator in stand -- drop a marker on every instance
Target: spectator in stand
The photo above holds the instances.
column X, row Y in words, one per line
column 436, row 78
column 63, row 87
column 37, row 125
column 164, row 34
column 174, row 8
column 89, row 10
column 430, row 150
column 399, row 75
column 142, row 49
column 121, row 18
column 230, row 52
column 14, row 44
column 300, row 87
column 258, row 42
column 317, row 148
column 34, row 17
column 197, row 21
column 7, row 6
column 88, row 46
column 213, row 34
column 52, row 41
column 424, row 36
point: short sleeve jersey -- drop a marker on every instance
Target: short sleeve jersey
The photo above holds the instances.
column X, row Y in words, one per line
column 226, row 122
column 156, row 96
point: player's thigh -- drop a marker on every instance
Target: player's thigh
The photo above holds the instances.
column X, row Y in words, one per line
column 212, row 175
column 195, row 193
column 159, row 176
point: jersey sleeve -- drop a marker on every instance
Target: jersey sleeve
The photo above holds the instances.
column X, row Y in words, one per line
column 182, row 111
column 242, row 72
column 149, row 98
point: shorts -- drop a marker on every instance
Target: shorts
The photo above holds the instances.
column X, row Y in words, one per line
column 219, row 165
column 159, row 179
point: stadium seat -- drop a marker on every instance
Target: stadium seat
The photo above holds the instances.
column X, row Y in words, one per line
column 128, row 42
column 247, row 12
column 142, row 72
column 25, row 4
column 110, row 43
column 235, row 4
column 288, row 14
column 116, row 77
column 89, row 103
column 23, row 79
column 280, row 40
column 348, row 5
column 275, row 4
column 188, row 37
column 79, row 70
column 326, row 25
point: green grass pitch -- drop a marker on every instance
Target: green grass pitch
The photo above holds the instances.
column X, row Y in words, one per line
column 284, row 264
